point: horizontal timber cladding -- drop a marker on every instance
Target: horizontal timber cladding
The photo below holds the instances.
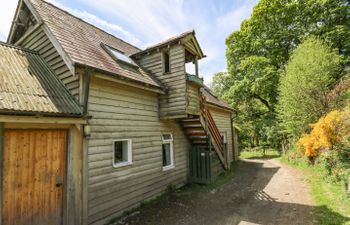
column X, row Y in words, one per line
column 122, row 112
column 193, row 99
column 39, row 41
column 222, row 119
column 174, row 102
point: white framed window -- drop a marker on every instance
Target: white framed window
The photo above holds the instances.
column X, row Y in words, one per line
column 167, row 151
column 122, row 152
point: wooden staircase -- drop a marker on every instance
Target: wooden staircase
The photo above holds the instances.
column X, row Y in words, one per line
column 202, row 130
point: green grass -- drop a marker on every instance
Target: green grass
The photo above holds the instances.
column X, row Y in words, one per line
column 332, row 204
column 259, row 154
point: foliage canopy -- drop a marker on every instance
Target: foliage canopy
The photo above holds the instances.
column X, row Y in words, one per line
column 258, row 52
column 305, row 85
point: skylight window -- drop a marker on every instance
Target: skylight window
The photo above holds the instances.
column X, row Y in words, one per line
column 119, row 55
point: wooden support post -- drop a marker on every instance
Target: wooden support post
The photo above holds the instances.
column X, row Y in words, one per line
column 196, row 65
column 84, row 183
column 1, row 165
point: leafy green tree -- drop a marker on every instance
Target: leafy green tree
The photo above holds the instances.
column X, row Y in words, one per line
column 310, row 72
column 258, row 52
column 221, row 83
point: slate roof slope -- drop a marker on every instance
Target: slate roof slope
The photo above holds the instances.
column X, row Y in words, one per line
column 82, row 43
column 29, row 86
column 213, row 99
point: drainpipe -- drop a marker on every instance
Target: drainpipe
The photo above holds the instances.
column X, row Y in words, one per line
column 86, row 90
column 234, row 154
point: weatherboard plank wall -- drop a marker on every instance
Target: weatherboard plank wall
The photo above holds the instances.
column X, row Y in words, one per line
column 222, row 119
column 193, row 98
column 174, row 103
column 40, row 42
column 120, row 112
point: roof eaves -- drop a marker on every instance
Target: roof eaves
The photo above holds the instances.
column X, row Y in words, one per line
column 19, row 48
column 37, row 113
column 164, row 43
column 221, row 106
column 160, row 86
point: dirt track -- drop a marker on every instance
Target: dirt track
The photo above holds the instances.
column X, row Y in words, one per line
column 262, row 192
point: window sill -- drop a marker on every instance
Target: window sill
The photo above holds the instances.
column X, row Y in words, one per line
column 165, row 168
column 122, row 164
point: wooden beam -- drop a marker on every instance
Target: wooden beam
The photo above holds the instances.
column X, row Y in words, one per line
column 33, row 119
column 196, row 65
column 1, row 165
column 69, row 62
column 85, row 180
column 14, row 25
column 32, row 10
column 28, row 33
column 86, row 89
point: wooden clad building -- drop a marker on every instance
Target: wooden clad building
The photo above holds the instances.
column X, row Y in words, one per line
column 91, row 126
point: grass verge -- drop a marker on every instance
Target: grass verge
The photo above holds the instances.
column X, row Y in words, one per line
column 259, row 154
column 332, row 204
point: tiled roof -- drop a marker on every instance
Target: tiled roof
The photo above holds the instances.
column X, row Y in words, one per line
column 29, row 86
column 213, row 99
column 82, row 43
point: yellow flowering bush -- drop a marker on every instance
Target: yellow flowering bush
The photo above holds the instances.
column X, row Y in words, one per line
column 328, row 131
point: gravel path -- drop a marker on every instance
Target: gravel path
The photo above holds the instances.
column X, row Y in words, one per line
column 262, row 192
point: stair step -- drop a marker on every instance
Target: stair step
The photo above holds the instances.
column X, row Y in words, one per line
column 200, row 133
column 195, row 130
column 199, row 137
column 199, row 142
column 190, row 120
column 192, row 125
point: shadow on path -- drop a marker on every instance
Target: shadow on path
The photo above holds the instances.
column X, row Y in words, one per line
column 241, row 201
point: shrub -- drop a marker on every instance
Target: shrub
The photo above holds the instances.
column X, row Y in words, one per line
column 334, row 166
column 328, row 131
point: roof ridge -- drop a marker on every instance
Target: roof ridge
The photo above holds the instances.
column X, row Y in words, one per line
column 94, row 26
column 19, row 48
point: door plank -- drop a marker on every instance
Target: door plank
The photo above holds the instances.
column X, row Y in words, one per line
column 33, row 160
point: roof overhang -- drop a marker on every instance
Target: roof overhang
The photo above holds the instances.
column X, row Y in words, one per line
column 41, row 119
column 219, row 107
column 180, row 39
column 124, row 80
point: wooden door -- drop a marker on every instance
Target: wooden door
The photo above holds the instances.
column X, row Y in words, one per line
column 33, row 177
column 200, row 164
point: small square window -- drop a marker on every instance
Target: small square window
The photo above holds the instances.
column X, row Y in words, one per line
column 122, row 153
column 167, row 151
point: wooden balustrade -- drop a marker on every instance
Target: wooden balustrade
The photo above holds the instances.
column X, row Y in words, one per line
column 213, row 131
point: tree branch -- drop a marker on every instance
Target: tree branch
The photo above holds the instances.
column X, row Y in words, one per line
column 263, row 101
